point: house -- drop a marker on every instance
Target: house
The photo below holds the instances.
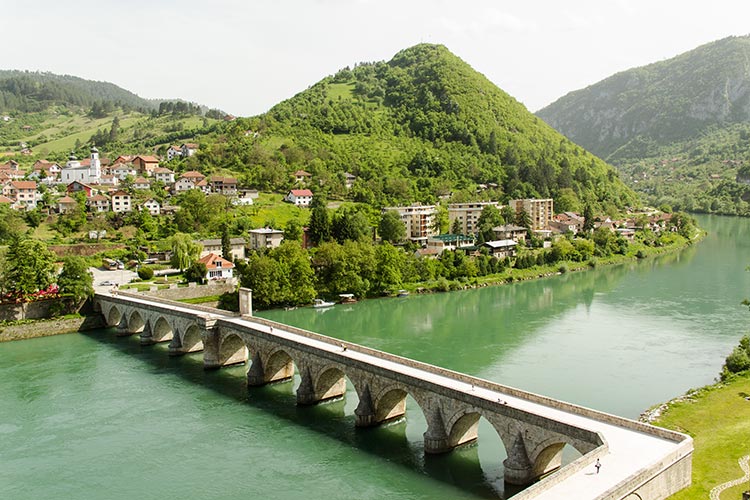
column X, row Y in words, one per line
column 152, row 206
column 164, row 175
column 443, row 242
column 567, row 222
column 237, row 247
column 217, row 267
column 265, row 237
column 187, row 181
column 349, row 180
column 188, row 149
column 141, row 183
column 122, row 170
column 204, row 186
column 23, row 194
column 299, row 197
column 66, row 204
column 5, row 200
column 50, row 169
column 145, row 165
column 242, row 200
column 121, row 202
column 301, row 177
column 501, row 248
column 173, row 152
column 510, row 231
column 77, row 186
column 223, row 185
column 98, row 203
column 109, row 180
column 123, row 159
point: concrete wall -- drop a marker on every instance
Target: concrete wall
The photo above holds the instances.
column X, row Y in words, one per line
column 50, row 327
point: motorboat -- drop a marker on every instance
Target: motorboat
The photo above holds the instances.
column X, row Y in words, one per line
column 347, row 298
column 320, row 303
column 402, row 293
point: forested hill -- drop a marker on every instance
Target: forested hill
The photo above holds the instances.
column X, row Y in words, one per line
column 422, row 125
column 635, row 113
column 677, row 130
column 28, row 92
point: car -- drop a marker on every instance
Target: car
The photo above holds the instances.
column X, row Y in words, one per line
column 108, row 283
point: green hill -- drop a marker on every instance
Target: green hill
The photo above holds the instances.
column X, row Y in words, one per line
column 677, row 129
column 418, row 127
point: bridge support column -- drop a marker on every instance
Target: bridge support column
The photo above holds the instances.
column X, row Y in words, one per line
column 365, row 412
column 122, row 328
column 246, row 302
column 435, row 438
column 211, row 350
column 306, row 391
column 175, row 345
column 256, row 375
column 518, row 468
column 147, row 335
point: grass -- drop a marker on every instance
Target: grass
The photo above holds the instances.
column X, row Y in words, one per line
column 718, row 419
column 270, row 209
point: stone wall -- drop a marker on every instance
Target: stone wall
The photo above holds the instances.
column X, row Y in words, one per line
column 27, row 310
column 192, row 291
column 50, row 327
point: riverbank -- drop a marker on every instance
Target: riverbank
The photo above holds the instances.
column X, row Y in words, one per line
column 717, row 417
column 22, row 330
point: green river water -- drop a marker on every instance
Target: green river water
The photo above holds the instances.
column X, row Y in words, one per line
column 92, row 416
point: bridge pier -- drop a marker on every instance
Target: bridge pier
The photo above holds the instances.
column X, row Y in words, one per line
column 436, row 440
column 518, row 468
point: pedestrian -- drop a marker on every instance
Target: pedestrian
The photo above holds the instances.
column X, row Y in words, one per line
column 597, row 465
column 114, row 289
column 343, row 348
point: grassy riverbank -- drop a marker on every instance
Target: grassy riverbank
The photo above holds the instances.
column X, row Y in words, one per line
column 717, row 417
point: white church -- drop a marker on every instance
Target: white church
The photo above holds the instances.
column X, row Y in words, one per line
column 86, row 174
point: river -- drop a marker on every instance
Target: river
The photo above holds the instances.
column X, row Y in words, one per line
column 90, row 416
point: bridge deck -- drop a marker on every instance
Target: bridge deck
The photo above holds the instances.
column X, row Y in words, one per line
column 631, row 448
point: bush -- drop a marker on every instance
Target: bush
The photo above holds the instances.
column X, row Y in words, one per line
column 229, row 301
column 145, row 273
column 738, row 361
column 563, row 268
column 640, row 254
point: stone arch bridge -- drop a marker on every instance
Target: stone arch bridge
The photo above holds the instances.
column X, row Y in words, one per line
column 642, row 462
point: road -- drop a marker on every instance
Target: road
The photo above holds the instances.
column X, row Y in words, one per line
column 119, row 276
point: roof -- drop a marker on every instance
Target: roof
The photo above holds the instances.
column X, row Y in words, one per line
column 451, row 238
column 190, row 145
column 302, row 173
column 141, row 180
column 192, row 174
column 162, row 170
column 98, row 197
column 500, row 243
column 66, row 199
column 23, row 184
column 301, row 192
column 216, row 242
column 211, row 259
column 266, row 230
column 225, row 180
column 509, row 227
column 120, row 192
column 147, row 159
column 5, row 199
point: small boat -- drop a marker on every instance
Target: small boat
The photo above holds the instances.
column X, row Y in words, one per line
column 319, row 303
column 402, row 293
column 347, row 298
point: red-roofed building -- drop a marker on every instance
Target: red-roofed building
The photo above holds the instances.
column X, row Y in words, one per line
column 77, row 186
column 188, row 149
column 66, row 204
column 217, row 267
column 121, row 202
column 301, row 177
column 146, row 164
column 98, row 203
column 300, row 197
column 23, row 194
column 223, row 185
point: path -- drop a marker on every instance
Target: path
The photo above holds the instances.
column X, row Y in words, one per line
column 716, row 492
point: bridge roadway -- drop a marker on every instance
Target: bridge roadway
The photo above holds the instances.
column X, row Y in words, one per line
column 638, row 461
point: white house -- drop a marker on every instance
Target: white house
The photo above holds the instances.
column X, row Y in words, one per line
column 74, row 170
column 153, row 206
column 188, row 149
column 123, row 170
column 300, row 197
column 164, row 175
column 217, row 267
column 265, row 237
column 173, row 152
column 141, row 183
column 121, row 202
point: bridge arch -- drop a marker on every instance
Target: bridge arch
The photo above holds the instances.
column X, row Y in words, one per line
column 232, row 350
column 278, row 366
column 136, row 323
column 390, row 403
column 546, row 456
column 192, row 339
column 113, row 316
column 162, row 330
column 330, row 383
column 463, row 427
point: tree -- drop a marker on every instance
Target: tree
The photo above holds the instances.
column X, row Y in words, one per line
column 196, row 273
column 523, row 219
column 350, row 224
column 75, row 279
column 319, row 228
column 588, row 218
column 389, row 262
column 391, row 228
column 29, row 266
column 184, row 250
column 293, row 230
column 226, row 243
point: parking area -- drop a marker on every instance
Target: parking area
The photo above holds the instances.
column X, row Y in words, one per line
column 104, row 280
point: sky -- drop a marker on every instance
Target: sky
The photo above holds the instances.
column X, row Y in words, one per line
column 245, row 56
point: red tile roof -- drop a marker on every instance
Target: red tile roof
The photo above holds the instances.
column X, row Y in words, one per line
column 211, row 259
column 301, row 192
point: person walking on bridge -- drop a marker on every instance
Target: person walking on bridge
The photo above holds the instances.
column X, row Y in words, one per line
column 598, row 465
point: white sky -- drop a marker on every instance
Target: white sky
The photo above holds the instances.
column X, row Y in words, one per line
column 245, row 56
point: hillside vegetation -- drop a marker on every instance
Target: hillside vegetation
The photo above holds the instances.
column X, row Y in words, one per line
column 677, row 129
column 418, row 127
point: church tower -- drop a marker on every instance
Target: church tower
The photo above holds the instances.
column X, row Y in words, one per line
column 95, row 170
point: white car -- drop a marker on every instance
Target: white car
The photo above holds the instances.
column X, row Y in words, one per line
column 108, row 283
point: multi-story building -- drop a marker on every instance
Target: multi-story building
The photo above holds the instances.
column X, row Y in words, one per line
column 539, row 211
column 467, row 214
column 419, row 221
column 265, row 237
column 23, row 194
column 121, row 202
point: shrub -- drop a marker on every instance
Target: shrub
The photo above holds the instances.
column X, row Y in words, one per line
column 145, row 273
column 738, row 361
column 563, row 268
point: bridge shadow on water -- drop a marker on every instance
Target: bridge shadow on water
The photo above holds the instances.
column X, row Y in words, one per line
column 394, row 441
